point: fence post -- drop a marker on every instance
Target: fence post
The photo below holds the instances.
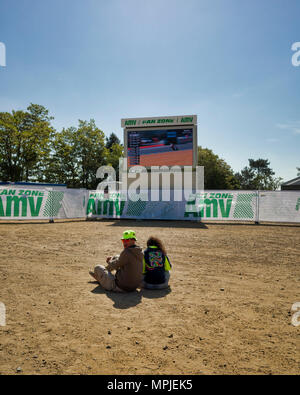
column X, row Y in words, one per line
column 257, row 208
column 2, row 314
column 51, row 220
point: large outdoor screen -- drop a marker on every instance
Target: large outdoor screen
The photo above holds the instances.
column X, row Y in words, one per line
column 165, row 147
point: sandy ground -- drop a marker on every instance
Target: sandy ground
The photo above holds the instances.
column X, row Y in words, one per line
column 228, row 309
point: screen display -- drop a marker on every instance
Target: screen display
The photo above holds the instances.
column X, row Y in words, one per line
column 160, row 147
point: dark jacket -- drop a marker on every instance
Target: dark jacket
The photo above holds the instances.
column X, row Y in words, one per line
column 155, row 265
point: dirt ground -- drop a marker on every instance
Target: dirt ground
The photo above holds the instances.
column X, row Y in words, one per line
column 228, row 309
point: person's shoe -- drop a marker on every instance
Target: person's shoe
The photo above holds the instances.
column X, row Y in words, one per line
column 92, row 274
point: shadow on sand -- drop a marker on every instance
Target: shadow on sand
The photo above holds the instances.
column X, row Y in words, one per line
column 192, row 223
column 40, row 222
column 127, row 300
column 156, row 223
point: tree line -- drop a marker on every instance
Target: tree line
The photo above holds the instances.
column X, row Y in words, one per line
column 32, row 150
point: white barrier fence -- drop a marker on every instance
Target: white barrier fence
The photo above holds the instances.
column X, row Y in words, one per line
column 18, row 203
column 42, row 203
column 279, row 206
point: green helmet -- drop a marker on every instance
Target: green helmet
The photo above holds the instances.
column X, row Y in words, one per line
column 129, row 234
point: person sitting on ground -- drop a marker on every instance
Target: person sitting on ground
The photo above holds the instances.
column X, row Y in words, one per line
column 128, row 266
column 156, row 265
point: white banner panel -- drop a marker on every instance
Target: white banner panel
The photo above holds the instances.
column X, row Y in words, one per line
column 74, row 203
column 24, row 203
column 279, row 206
column 209, row 205
column 41, row 203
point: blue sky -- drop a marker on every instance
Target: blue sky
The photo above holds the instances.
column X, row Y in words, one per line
column 228, row 61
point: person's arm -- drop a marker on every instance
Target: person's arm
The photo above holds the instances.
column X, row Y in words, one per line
column 117, row 263
column 144, row 266
column 168, row 265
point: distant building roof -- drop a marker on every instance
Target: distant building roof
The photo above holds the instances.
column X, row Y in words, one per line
column 39, row 184
column 291, row 184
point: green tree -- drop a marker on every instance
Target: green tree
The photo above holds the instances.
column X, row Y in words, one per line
column 115, row 152
column 10, row 169
column 25, row 143
column 217, row 173
column 112, row 140
column 298, row 171
column 91, row 152
column 258, row 175
column 77, row 154
column 62, row 167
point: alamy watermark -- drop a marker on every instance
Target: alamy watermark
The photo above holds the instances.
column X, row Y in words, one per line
column 296, row 56
column 2, row 55
column 139, row 183
column 2, row 314
column 296, row 315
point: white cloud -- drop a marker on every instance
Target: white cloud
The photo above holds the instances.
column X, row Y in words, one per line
column 237, row 95
column 293, row 127
column 272, row 140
